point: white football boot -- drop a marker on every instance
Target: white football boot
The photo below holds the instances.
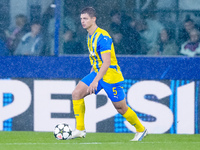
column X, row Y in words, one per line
column 140, row 135
column 77, row 134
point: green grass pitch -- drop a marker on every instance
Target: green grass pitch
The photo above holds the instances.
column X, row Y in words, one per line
column 21, row 140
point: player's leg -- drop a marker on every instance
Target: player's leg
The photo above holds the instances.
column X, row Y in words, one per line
column 116, row 94
column 129, row 114
column 132, row 118
column 79, row 105
column 80, row 91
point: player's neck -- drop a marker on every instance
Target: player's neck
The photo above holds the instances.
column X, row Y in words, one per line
column 92, row 29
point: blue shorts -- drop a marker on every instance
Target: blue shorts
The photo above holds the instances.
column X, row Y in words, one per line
column 114, row 91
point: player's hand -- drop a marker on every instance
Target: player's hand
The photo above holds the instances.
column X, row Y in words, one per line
column 93, row 87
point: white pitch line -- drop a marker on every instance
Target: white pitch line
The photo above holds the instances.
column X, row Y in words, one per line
column 92, row 143
column 45, row 143
column 95, row 143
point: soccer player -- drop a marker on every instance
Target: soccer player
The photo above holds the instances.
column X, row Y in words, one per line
column 105, row 74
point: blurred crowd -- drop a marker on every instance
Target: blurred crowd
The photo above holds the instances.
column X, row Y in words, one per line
column 23, row 39
column 37, row 37
column 148, row 36
column 145, row 35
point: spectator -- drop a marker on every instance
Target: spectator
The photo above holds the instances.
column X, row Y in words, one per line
column 17, row 32
column 115, row 31
column 48, row 30
column 131, row 37
column 117, row 40
column 125, row 37
column 116, row 23
column 189, row 25
column 192, row 46
column 31, row 43
column 141, row 26
column 70, row 45
column 3, row 48
column 165, row 45
column 151, row 29
column 69, row 23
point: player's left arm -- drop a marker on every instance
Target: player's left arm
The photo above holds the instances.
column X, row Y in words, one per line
column 105, row 65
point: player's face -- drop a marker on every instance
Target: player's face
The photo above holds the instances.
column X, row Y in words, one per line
column 87, row 21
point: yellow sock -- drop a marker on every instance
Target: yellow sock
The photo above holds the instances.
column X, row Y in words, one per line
column 132, row 118
column 79, row 112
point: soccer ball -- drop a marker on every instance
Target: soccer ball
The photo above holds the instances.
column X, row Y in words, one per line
column 62, row 131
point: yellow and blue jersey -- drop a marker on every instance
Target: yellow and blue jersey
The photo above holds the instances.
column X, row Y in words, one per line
column 98, row 43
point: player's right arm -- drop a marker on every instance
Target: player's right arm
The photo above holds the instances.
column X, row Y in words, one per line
column 106, row 64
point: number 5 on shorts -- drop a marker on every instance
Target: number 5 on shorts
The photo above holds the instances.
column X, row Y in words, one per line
column 114, row 91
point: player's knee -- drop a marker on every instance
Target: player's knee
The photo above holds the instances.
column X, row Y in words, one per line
column 76, row 95
column 121, row 109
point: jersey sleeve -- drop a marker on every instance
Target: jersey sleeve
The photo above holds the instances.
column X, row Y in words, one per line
column 104, row 43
